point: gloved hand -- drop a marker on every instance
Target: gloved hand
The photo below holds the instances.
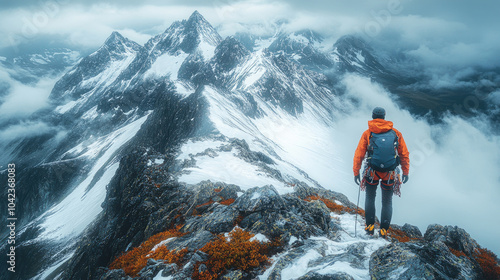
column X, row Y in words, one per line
column 357, row 180
column 405, row 179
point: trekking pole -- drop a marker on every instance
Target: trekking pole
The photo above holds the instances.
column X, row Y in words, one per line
column 357, row 207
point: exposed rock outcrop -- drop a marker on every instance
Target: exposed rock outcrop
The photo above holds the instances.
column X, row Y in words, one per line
column 445, row 252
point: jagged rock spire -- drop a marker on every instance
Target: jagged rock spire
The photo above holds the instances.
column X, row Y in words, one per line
column 202, row 29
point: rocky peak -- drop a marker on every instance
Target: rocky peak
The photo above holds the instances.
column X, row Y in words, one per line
column 114, row 38
column 198, row 22
column 229, row 53
column 199, row 30
column 116, row 44
column 190, row 35
column 114, row 55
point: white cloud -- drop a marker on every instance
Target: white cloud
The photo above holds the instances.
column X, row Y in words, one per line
column 88, row 27
column 22, row 130
column 23, row 100
column 440, row 36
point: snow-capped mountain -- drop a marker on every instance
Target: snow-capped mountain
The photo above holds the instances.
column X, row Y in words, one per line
column 30, row 68
column 98, row 70
column 201, row 134
column 355, row 55
column 305, row 48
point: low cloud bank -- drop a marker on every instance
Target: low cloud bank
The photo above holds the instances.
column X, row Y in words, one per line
column 454, row 165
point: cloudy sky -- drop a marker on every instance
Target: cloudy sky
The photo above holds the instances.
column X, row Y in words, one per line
column 448, row 37
column 459, row 32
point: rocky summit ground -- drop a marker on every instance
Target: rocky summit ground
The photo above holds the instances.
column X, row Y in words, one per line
column 154, row 228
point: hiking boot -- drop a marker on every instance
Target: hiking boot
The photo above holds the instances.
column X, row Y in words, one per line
column 383, row 233
column 370, row 229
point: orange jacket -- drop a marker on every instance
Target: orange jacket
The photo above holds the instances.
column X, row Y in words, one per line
column 380, row 126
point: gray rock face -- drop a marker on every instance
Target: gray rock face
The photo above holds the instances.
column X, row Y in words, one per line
column 266, row 212
column 259, row 210
column 411, row 231
column 221, row 219
column 335, row 276
column 453, row 237
column 260, row 199
column 169, row 269
column 427, row 259
column 303, row 191
column 152, row 269
column 197, row 257
column 193, row 241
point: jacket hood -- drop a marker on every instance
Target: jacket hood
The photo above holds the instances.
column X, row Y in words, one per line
column 379, row 125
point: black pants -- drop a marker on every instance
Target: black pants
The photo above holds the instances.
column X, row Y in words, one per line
column 371, row 193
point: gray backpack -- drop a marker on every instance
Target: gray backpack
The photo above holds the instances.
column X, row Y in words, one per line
column 383, row 151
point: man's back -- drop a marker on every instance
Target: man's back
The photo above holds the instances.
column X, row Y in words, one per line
column 380, row 126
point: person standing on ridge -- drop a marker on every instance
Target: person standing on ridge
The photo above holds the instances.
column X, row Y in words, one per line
column 384, row 149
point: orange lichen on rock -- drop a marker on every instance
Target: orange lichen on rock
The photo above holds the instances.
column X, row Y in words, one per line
column 486, row 259
column 457, row 253
column 227, row 201
column 237, row 251
column 400, row 235
column 204, row 204
column 334, row 207
column 195, row 211
column 488, row 262
column 136, row 259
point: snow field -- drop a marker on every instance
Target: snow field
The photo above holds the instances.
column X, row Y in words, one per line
column 71, row 216
column 108, row 76
column 227, row 168
column 301, row 143
column 165, row 65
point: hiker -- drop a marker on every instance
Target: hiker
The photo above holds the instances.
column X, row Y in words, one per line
column 384, row 149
